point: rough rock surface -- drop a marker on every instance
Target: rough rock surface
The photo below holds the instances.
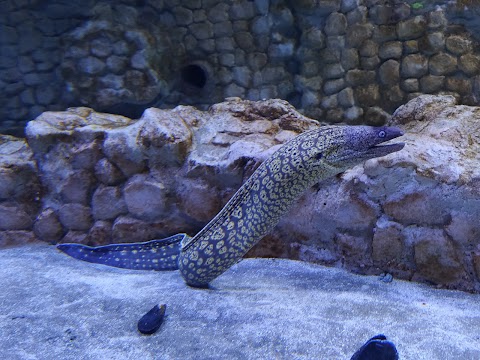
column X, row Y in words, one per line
column 56, row 307
column 109, row 178
column 20, row 191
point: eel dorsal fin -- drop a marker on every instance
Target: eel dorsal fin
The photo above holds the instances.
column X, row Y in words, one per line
column 158, row 254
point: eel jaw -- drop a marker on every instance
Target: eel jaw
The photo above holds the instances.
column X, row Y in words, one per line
column 382, row 150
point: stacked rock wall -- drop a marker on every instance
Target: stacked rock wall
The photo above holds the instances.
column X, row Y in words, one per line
column 20, row 191
column 106, row 178
column 339, row 60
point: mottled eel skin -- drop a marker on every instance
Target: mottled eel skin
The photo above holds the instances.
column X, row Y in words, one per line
column 254, row 209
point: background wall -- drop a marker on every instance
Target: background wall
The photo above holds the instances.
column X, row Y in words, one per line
column 336, row 60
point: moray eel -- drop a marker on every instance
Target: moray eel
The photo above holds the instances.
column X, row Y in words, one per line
column 254, row 209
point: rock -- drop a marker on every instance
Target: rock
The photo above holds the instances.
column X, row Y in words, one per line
column 346, row 98
column 368, row 49
column 349, row 5
column 432, row 83
column 283, row 50
column 152, row 320
column 357, row 15
column 410, row 46
column 432, row 43
column 369, row 63
column 75, row 217
column 244, row 40
column 384, row 33
column 108, row 203
column 14, row 217
column 127, row 229
column 91, row 65
column 414, row 65
column 458, row 45
column 25, row 64
column 410, row 85
column 367, row 95
column 428, row 107
column 354, row 249
column 382, row 14
column 469, row 64
column 145, row 198
column 108, row 173
column 242, row 76
column 102, row 47
column 202, row 31
column 121, row 149
column 242, row 11
column 100, row 233
column 18, row 171
column 183, row 16
column 333, row 71
column 387, row 243
column 45, row 95
column 357, row 34
column 334, row 115
column 139, row 60
column 424, row 209
column 353, row 115
column 460, row 85
column 117, row 64
column 165, row 139
column 435, row 256
column 14, row 238
column 360, row 77
column 77, row 187
column 389, row 72
column 336, row 24
column 350, row 59
column 390, row 50
column 329, row 102
column 412, row 28
column 218, row 13
column 47, row 226
column 376, row 116
column 437, row 19
column 442, row 64
column 333, row 86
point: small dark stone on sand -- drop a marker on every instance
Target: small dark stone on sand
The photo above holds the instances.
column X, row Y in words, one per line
column 386, row 277
column 152, row 320
column 377, row 348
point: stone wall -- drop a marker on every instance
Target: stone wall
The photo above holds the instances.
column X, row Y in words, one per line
column 97, row 178
column 337, row 60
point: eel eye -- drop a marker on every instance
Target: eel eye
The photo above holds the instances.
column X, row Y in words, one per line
column 382, row 133
column 319, row 156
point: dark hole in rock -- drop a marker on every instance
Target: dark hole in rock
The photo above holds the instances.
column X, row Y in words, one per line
column 194, row 75
column 133, row 111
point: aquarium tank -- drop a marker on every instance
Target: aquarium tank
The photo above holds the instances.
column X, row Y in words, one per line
column 242, row 179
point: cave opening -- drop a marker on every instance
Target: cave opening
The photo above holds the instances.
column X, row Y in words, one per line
column 194, row 75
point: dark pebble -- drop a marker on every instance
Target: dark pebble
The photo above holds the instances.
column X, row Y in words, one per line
column 152, row 320
column 377, row 348
column 386, row 277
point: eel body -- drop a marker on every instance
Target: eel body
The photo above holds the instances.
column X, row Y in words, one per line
column 254, row 209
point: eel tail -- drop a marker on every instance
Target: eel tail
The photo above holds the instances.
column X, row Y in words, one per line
column 151, row 255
